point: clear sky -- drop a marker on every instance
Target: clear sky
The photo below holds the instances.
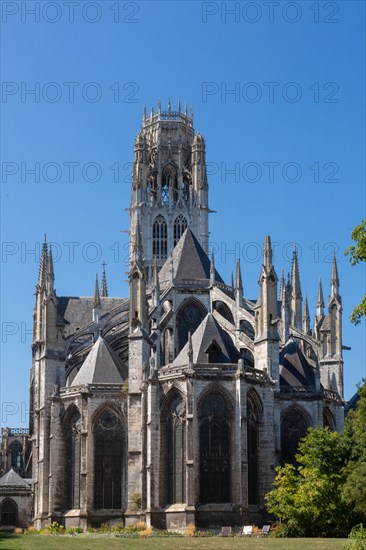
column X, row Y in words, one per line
column 277, row 90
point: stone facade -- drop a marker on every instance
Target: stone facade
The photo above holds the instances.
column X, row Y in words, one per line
column 176, row 404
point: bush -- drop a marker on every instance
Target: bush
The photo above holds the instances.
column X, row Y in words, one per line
column 357, row 538
column 73, row 530
column 31, row 531
column 18, row 531
column 191, row 530
column 145, row 533
column 136, row 501
column 140, row 526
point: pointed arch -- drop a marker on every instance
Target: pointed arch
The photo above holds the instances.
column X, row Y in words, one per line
column 180, row 225
column 8, row 512
column 160, row 238
column 189, row 316
column 173, row 446
column 168, row 346
column 109, row 451
column 215, row 420
column 295, row 423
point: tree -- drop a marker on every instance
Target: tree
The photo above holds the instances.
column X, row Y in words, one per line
column 354, row 490
column 358, row 254
column 308, row 497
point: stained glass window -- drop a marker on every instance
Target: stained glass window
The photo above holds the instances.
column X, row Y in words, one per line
column 188, row 319
column 108, row 454
column 214, row 450
column 180, row 225
column 176, row 445
column 73, row 461
column 293, row 428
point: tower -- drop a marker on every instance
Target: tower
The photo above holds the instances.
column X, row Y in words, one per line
column 267, row 337
column 169, row 184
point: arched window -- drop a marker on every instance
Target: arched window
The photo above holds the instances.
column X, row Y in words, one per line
column 213, row 352
column 16, row 451
column 215, row 453
column 294, row 426
column 188, row 319
column 73, row 461
column 168, row 346
column 176, row 455
column 180, row 225
column 108, row 454
column 8, row 512
column 252, row 445
column 160, row 238
column 328, row 420
column 247, row 328
column 169, row 185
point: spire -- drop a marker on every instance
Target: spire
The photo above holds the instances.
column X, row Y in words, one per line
column 306, row 318
column 295, row 276
column 334, row 280
column 232, row 279
column 169, row 106
column 178, row 105
column 43, row 265
column 238, row 285
column 296, row 296
column 103, row 286
column 50, row 274
column 185, row 108
column 238, row 279
column 212, row 268
column 159, row 106
column 283, row 287
column 96, row 303
column 267, row 252
column 320, row 301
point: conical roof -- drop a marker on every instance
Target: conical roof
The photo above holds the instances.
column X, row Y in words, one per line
column 12, row 479
column 209, row 332
column 102, row 366
column 190, row 262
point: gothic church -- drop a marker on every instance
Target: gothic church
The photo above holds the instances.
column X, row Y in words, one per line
column 176, row 404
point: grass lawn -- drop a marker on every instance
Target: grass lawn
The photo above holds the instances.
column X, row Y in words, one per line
column 94, row 542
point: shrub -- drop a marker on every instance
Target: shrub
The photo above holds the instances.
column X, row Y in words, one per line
column 117, row 527
column 191, row 530
column 145, row 533
column 18, row 531
column 357, row 538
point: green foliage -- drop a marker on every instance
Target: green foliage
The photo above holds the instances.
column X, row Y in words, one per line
column 308, row 497
column 354, row 491
column 358, row 254
column 357, row 538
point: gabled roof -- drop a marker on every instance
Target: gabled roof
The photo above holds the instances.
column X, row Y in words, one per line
column 208, row 332
column 12, row 479
column 294, row 368
column 190, row 261
column 102, row 366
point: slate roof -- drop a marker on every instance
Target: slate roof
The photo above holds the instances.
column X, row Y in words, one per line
column 207, row 332
column 77, row 311
column 12, row 479
column 102, row 366
column 190, row 262
column 294, row 368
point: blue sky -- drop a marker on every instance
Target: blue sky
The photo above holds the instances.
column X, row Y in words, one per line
column 278, row 92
